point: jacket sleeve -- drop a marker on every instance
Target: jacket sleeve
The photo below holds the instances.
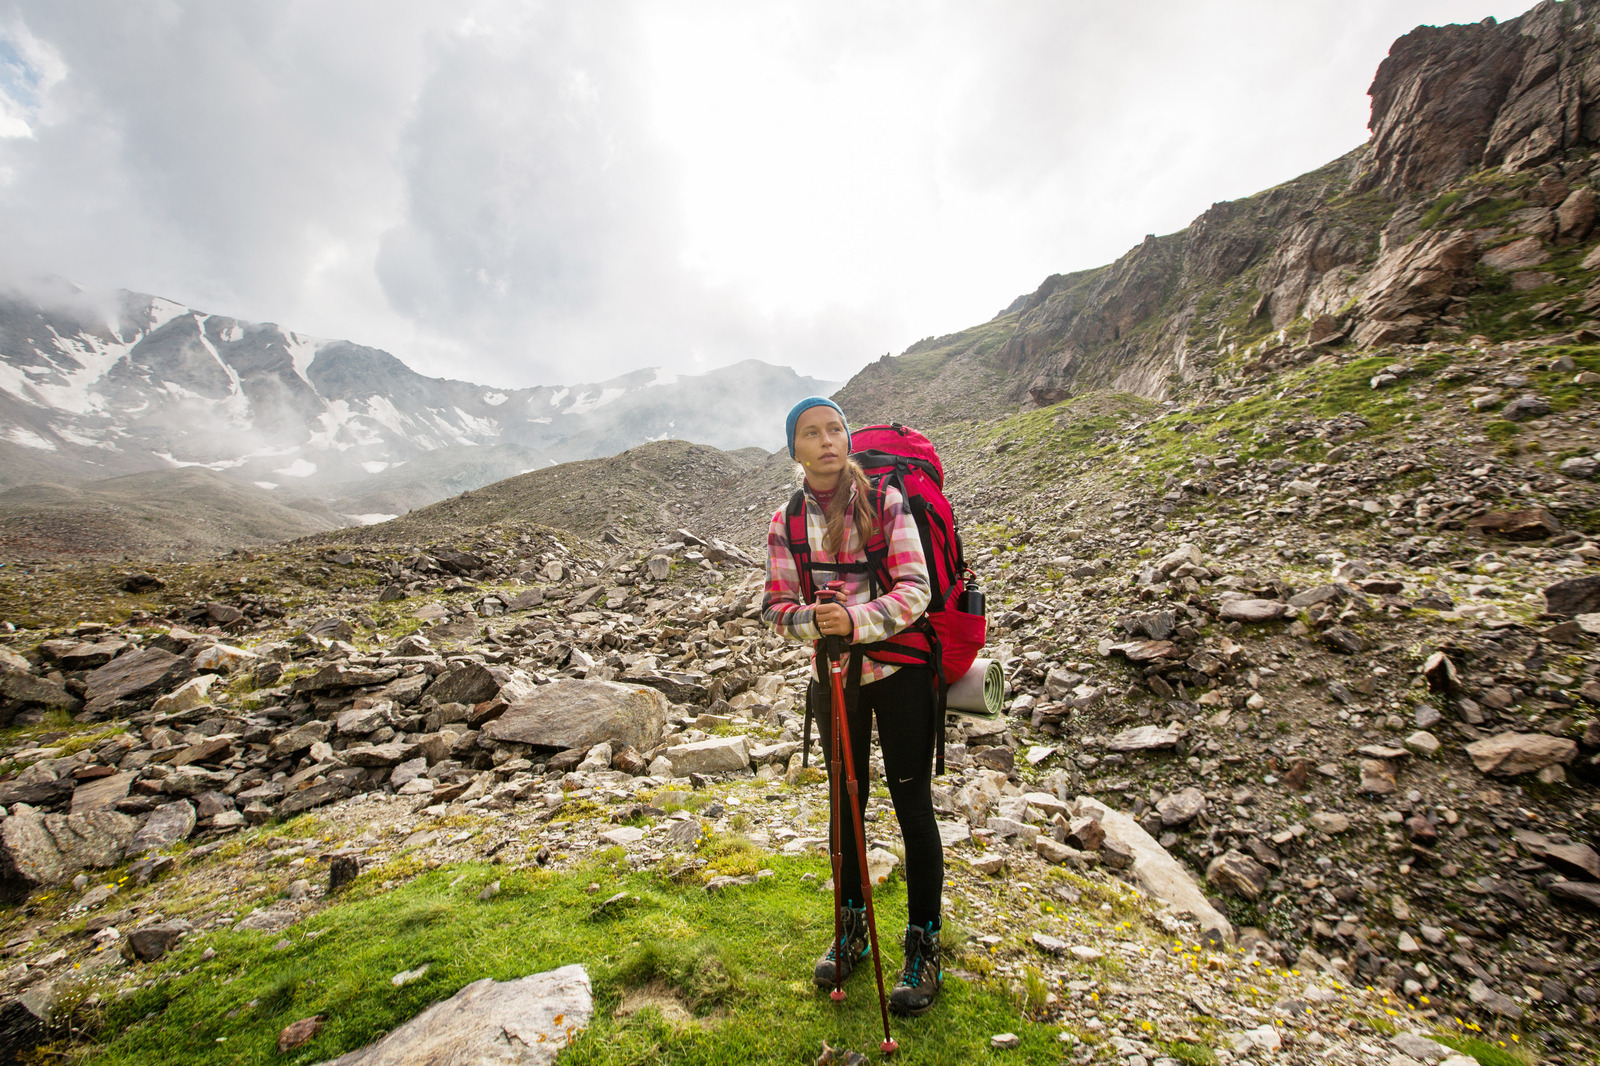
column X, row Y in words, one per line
column 780, row 603
column 909, row 591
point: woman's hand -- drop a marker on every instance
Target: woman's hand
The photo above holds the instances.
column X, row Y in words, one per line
column 834, row 620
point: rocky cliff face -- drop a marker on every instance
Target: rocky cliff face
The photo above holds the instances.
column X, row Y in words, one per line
column 1481, row 138
column 1452, row 99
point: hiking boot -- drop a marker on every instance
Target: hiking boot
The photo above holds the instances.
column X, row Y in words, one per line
column 840, row 960
column 922, row 978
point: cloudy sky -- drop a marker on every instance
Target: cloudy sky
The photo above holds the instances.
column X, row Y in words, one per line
column 523, row 193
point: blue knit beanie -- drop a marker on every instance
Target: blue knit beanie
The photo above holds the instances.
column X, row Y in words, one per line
column 804, row 406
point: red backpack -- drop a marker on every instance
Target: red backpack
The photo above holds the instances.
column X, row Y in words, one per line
column 952, row 630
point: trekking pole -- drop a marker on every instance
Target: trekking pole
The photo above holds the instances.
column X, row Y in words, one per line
column 834, row 649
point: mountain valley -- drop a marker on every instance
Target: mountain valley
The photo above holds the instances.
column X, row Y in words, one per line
column 1289, row 525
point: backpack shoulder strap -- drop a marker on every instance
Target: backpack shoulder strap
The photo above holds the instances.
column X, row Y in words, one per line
column 877, row 546
column 799, row 544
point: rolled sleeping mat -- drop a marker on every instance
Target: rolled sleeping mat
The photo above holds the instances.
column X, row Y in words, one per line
column 981, row 691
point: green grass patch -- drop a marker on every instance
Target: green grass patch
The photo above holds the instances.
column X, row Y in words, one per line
column 1192, row 1054
column 1501, row 432
column 739, row 962
column 1511, row 1054
column 1440, row 208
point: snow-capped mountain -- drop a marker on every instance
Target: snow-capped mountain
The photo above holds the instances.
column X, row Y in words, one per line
column 97, row 386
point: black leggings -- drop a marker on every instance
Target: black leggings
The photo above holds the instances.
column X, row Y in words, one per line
column 903, row 702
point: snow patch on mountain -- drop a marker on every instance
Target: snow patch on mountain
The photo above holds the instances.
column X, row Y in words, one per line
column 302, row 350
column 29, row 439
column 220, row 464
column 587, row 402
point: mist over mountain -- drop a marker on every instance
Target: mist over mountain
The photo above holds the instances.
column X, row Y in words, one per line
column 100, row 385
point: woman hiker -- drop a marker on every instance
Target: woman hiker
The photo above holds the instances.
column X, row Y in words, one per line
column 840, row 514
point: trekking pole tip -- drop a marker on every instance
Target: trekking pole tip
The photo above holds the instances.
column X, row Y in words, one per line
column 889, row 1047
column 837, row 995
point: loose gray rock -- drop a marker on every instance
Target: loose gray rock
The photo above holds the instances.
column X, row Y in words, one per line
column 581, row 714
column 1343, row 640
column 490, row 1023
column 1248, row 610
column 48, row 849
column 472, row 683
column 298, row 739
column 1525, row 407
column 1181, row 808
column 153, row 941
column 168, row 824
column 136, row 675
column 1144, row 738
column 1579, row 595
column 717, row 755
column 1238, row 874
column 1510, row 754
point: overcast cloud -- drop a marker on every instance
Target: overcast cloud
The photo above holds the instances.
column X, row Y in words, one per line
column 519, row 193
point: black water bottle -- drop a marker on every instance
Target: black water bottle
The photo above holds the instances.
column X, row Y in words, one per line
column 971, row 600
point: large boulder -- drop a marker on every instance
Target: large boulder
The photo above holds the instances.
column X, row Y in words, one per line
column 167, row 824
column 715, row 756
column 1237, row 873
column 48, row 849
column 525, row 1022
column 1535, row 524
column 1411, row 282
column 1510, row 754
column 102, row 792
column 1157, row 872
column 19, row 689
column 195, row 692
column 1579, row 595
column 472, row 683
column 581, row 714
column 137, row 675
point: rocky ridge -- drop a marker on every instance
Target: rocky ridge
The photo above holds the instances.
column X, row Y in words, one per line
column 1483, row 136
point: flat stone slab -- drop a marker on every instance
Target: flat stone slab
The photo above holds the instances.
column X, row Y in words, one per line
column 98, row 795
column 1144, row 738
column 339, row 675
column 146, row 672
column 1144, row 651
column 581, row 714
column 526, row 1022
column 1510, row 754
column 953, row 833
column 168, row 824
column 1158, row 872
column 1245, row 610
column 1579, row 595
column 717, row 755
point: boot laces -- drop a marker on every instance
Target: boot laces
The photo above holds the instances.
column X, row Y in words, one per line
column 840, row 948
column 916, row 958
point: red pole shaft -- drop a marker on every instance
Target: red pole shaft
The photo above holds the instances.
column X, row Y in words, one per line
column 836, row 827
column 841, row 730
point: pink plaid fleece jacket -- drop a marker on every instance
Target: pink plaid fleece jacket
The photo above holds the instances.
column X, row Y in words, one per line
column 871, row 619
